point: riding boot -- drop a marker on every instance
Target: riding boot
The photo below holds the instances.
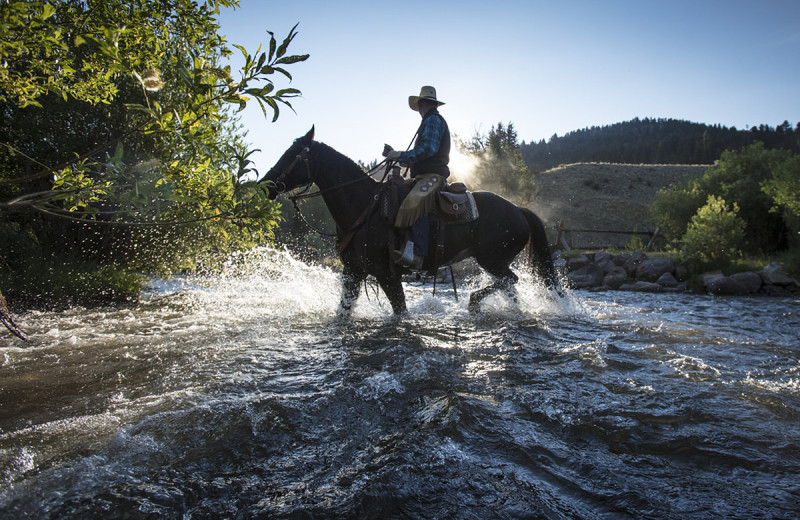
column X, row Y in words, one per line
column 407, row 258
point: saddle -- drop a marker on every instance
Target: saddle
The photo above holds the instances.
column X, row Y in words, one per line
column 455, row 204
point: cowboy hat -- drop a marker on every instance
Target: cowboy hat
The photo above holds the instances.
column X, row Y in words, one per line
column 426, row 92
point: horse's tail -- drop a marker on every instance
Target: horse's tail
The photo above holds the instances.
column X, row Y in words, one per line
column 538, row 251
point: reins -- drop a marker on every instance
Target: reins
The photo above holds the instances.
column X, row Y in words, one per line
column 304, row 195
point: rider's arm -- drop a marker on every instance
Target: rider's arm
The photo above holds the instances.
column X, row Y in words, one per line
column 427, row 144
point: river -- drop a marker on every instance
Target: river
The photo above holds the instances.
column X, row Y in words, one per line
column 241, row 396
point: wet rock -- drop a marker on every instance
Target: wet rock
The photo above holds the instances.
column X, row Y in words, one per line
column 640, row 286
column 681, row 273
column 776, row 291
column 604, row 261
column 634, row 261
column 578, row 262
column 709, row 277
column 651, row 269
column 749, row 280
column 726, row 286
column 615, row 278
column 621, row 259
column 637, row 272
column 585, row 277
column 667, row 280
column 774, row 274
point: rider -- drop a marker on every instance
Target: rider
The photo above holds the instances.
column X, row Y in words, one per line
column 428, row 161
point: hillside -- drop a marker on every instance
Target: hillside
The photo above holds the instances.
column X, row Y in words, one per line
column 603, row 196
column 653, row 141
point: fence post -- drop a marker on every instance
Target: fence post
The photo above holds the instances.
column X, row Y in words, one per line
column 560, row 239
column 652, row 239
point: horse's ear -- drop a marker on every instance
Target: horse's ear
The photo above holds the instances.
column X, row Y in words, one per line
column 310, row 135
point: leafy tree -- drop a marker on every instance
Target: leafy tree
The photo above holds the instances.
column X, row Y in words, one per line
column 784, row 189
column 744, row 177
column 738, row 177
column 119, row 141
column 673, row 208
column 784, row 185
column 500, row 166
column 715, row 234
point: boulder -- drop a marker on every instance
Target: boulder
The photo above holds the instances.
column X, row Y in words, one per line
column 634, row 261
column 578, row 262
column 586, row 277
column 726, row 286
column 749, row 280
column 652, row 268
column 774, row 274
column 667, row 280
column 604, row 261
column 642, row 286
column 621, row 258
column 615, row 277
column 602, row 256
column 776, row 291
column 710, row 277
column 681, row 273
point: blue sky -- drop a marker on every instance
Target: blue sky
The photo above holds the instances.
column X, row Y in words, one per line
column 549, row 67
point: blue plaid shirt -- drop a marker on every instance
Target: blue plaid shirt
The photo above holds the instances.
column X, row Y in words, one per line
column 427, row 143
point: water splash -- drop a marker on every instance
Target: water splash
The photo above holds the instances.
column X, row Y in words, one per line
column 271, row 284
column 239, row 393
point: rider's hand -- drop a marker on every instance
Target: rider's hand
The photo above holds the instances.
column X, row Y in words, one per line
column 392, row 156
column 386, row 149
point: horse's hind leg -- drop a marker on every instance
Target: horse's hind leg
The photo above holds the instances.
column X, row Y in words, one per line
column 505, row 280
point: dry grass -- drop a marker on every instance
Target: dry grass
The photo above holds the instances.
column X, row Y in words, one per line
column 603, row 196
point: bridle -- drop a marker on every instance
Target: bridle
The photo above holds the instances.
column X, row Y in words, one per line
column 280, row 185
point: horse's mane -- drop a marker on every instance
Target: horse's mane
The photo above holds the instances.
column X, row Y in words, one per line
column 337, row 160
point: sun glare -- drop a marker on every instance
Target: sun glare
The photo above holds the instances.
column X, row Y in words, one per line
column 462, row 167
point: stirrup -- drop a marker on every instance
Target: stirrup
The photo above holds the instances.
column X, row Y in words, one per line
column 407, row 258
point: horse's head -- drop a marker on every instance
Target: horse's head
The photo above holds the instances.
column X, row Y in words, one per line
column 292, row 169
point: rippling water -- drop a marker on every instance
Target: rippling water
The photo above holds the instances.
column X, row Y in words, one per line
column 242, row 397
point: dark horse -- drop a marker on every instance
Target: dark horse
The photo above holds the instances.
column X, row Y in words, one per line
column 501, row 231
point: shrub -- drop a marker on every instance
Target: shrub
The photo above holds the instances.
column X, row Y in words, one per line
column 714, row 236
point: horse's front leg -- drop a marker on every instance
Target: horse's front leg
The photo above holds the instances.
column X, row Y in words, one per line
column 351, row 288
column 392, row 286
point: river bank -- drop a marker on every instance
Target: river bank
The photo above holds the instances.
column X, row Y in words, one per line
column 638, row 272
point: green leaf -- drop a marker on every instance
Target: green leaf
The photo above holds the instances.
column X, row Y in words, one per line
column 284, row 72
column 272, row 45
column 118, row 153
column 47, row 11
column 282, row 49
column 263, row 108
column 275, row 110
column 293, row 59
column 242, row 50
column 287, row 92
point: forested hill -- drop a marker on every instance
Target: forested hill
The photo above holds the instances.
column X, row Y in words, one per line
column 653, row 141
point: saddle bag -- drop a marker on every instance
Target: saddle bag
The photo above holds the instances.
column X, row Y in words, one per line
column 458, row 207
